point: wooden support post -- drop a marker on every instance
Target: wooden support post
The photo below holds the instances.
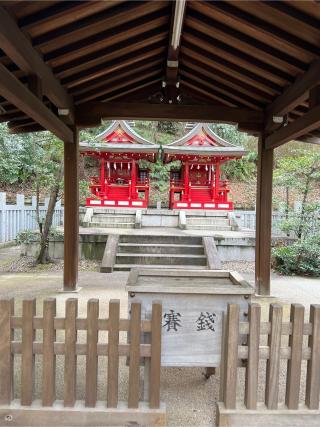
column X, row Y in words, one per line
column 133, row 179
column 217, row 181
column 71, row 213
column 263, row 218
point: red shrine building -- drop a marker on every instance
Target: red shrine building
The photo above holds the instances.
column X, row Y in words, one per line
column 122, row 182
column 198, row 184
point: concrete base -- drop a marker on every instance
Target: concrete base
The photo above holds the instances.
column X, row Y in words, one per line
column 73, row 291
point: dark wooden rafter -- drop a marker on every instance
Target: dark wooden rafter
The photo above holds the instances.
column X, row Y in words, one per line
column 304, row 88
column 16, row 45
column 13, row 90
column 110, row 111
column 171, row 81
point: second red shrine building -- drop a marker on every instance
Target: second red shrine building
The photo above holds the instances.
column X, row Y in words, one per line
column 123, row 180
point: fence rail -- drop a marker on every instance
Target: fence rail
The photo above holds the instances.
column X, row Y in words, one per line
column 293, row 342
column 29, row 335
column 20, row 216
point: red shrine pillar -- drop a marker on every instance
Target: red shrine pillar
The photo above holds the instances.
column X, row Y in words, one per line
column 133, row 179
column 102, row 177
column 186, row 180
column 217, row 180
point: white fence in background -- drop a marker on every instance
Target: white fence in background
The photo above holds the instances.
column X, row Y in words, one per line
column 21, row 216
column 247, row 219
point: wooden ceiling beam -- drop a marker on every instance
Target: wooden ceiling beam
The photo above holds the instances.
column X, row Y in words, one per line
column 243, row 42
column 103, row 70
column 233, row 83
column 230, row 68
column 110, row 37
column 185, row 113
column 259, row 29
column 109, row 88
column 118, row 75
column 171, row 82
column 16, row 45
column 121, row 14
column 241, row 100
column 299, row 127
column 209, row 44
column 152, row 85
column 109, row 54
column 297, row 93
column 20, row 96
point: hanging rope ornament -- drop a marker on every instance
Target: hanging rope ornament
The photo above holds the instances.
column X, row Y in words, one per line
column 121, row 165
column 108, row 165
column 191, row 166
column 115, row 166
column 198, row 167
column 212, row 168
column 206, row 167
column 129, row 166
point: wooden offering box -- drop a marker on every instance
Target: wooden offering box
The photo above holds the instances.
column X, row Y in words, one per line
column 193, row 303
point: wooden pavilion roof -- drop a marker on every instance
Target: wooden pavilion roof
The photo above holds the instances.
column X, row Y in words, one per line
column 255, row 63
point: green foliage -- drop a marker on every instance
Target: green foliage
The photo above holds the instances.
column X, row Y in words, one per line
column 302, row 258
column 242, row 169
column 303, row 223
column 300, row 170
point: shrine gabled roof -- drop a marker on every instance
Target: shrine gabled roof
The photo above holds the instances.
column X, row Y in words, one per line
column 201, row 140
column 119, row 137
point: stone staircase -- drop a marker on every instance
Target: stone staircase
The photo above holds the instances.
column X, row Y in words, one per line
column 107, row 218
column 182, row 252
column 214, row 221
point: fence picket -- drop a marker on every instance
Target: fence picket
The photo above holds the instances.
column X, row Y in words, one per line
column 251, row 383
column 27, row 358
column 273, row 363
column 92, row 355
column 231, row 356
column 113, row 354
column 70, row 358
column 313, row 378
column 134, row 375
column 155, row 364
column 49, row 358
column 294, row 364
column 6, row 358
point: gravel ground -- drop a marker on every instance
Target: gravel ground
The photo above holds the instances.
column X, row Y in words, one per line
column 26, row 264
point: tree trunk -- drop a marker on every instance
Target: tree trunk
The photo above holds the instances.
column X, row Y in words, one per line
column 303, row 206
column 43, row 256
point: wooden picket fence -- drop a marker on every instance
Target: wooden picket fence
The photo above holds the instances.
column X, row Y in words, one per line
column 48, row 411
column 294, row 341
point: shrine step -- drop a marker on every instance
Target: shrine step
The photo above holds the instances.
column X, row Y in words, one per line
column 160, row 248
column 155, row 240
column 208, row 220
column 156, row 259
column 113, row 219
column 112, row 225
column 211, row 227
column 127, row 267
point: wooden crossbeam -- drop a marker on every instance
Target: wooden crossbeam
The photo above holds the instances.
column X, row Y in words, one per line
column 296, row 93
column 16, row 45
column 185, row 113
column 20, row 96
column 299, row 127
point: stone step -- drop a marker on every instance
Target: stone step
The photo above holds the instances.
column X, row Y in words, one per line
column 127, row 267
column 209, row 221
column 113, row 219
column 118, row 225
column 160, row 248
column 183, row 240
column 155, row 259
column 209, row 227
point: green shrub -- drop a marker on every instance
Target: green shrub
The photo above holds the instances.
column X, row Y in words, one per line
column 32, row 236
column 302, row 258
